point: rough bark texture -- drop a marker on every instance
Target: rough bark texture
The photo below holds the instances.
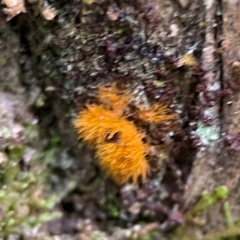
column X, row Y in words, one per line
column 219, row 165
column 147, row 46
column 206, row 157
column 229, row 160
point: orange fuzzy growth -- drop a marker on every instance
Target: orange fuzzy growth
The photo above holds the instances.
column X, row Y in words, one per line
column 114, row 99
column 124, row 158
column 156, row 114
column 119, row 145
column 95, row 123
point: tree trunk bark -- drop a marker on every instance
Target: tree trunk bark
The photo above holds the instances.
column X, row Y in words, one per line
column 182, row 52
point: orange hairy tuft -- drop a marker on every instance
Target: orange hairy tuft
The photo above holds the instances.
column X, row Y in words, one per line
column 119, row 145
column 94, row 123
column 124, row 158
column 117, row 141
column 155, row 114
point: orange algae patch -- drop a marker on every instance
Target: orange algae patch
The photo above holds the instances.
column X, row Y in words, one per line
column 155, row 114
column 119, row 145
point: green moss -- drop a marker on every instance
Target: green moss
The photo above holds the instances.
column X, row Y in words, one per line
column 228, row 215
column 228, row 233
column 22, row 204
column 191, row 230
column 209, row 199
column 97, row 235
column 88, row 1
column 113, row 210
column 5, row 132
